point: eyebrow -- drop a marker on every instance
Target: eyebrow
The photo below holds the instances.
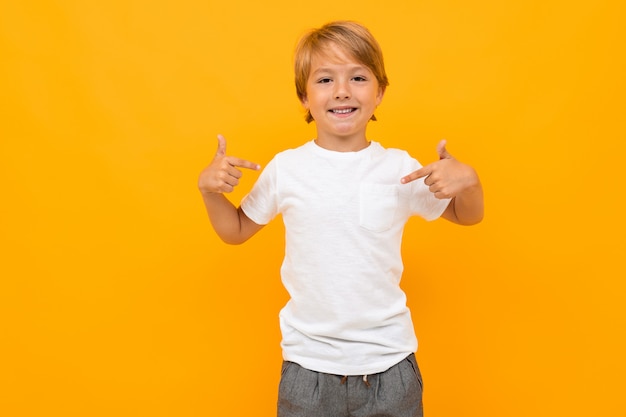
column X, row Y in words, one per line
column 329, row 69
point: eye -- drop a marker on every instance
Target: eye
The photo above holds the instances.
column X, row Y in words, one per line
column 359, row 78
column 325, row 80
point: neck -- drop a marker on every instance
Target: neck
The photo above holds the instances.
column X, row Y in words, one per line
column 342, row 144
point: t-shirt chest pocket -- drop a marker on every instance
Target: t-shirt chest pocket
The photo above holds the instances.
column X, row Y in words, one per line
column 378, row 204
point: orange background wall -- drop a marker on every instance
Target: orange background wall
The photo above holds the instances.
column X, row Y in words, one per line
column 116, row 297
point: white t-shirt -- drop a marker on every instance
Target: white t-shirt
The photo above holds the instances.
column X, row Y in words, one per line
column 344, row 214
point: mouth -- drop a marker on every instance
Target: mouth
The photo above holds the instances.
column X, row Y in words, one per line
column 343, row 111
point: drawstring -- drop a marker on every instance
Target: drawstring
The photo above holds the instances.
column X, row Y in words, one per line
column 365, row 381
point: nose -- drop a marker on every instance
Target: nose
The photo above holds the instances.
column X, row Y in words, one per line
column 342, row 90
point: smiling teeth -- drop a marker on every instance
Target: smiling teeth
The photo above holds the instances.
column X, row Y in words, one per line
column 342, row 111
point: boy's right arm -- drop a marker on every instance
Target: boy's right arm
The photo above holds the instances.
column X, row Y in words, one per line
column 221, row 176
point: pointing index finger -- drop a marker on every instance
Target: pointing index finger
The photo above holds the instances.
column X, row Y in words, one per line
column 242, row 163
column 420, row 173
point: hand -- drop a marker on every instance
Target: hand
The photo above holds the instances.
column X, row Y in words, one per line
column 447, row 177
column 222, row 175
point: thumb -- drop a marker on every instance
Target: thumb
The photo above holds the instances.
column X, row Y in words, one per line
column 441, row 150
column 221, row 146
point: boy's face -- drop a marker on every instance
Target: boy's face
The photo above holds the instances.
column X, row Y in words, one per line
column 341, row 95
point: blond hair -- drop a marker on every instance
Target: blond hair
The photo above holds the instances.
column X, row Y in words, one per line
column 353, row 38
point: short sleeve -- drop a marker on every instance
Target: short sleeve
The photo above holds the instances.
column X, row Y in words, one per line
column 261, row 203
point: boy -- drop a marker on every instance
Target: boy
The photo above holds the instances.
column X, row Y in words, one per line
column 347, row 337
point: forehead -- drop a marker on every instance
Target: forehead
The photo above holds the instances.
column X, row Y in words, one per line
column 332, row 55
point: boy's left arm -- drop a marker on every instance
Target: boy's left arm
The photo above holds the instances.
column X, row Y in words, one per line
column 450, row 178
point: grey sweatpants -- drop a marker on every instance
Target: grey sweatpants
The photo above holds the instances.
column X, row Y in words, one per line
column 397, row 392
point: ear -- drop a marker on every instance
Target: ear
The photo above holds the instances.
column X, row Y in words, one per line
column 305, row 102
column 380, row 95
